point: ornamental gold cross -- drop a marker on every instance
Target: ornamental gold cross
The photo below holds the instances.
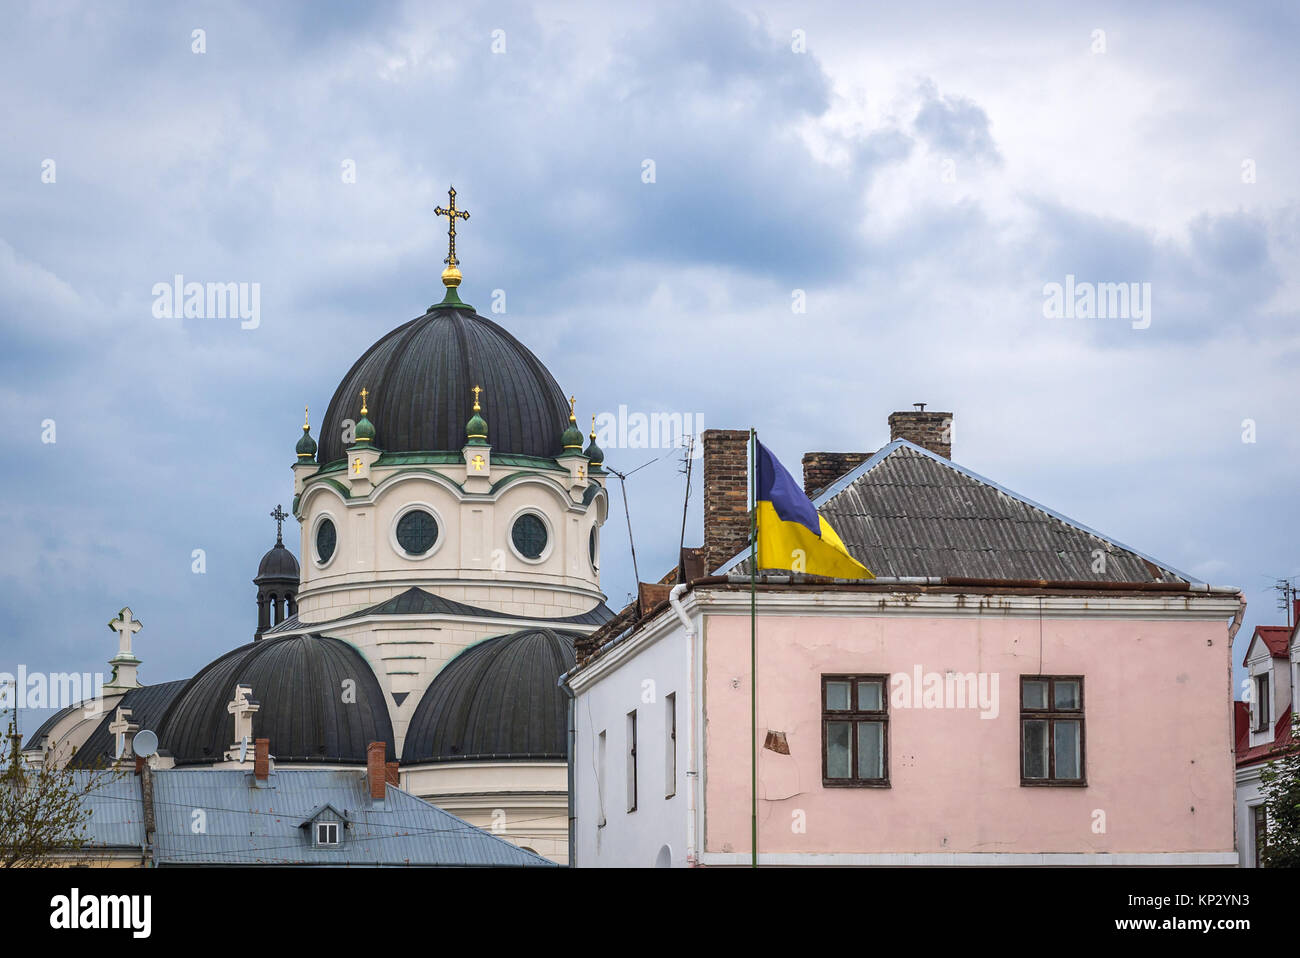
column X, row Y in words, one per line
column 451, row 213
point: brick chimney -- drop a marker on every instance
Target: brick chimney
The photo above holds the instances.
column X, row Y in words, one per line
column 929, row 430
column 392, row 774
column 377, row 770
column 820, row 469
column 726, row 495
column 261, row 759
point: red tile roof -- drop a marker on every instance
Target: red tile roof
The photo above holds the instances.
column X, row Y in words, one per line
column 1276, row 637
column 1282, row 741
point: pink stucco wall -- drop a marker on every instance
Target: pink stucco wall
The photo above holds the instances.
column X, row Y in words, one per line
column 1158, row 759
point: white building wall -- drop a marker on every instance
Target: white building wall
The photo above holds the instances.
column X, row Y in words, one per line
column 1248, row 796
column 655, row 833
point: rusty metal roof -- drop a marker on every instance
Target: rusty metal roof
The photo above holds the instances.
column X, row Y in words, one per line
column 907, row 511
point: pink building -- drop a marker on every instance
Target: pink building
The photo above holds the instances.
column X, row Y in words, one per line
column 1014, row 688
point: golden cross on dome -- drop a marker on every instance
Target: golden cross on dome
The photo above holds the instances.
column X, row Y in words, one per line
column 451, row 213
column 573, row 401
column 476, row 390
column 364, row 394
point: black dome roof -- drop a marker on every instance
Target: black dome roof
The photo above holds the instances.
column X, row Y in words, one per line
column 496, row 700
column 298, row 681
column 418, row 380
column 278, row 563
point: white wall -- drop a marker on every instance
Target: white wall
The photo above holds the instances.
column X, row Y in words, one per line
column 641, row 681
column 1248, row 796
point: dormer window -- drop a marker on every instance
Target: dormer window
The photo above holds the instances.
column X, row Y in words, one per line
column 327, row 833
column 1261, row 703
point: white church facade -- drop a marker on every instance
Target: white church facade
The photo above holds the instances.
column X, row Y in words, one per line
column 450, row 551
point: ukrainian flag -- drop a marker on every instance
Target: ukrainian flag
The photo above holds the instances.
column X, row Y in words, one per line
column 791, row 535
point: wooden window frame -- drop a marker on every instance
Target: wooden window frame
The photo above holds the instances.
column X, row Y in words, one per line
column 1263, row 705
column 670, row 745
column 325, row 827
column 632, row 736
column 853, row 716
column 1259, row 835
column 1051, row 715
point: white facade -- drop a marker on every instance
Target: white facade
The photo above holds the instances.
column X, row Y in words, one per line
column 1280, row 674
column 648, row 677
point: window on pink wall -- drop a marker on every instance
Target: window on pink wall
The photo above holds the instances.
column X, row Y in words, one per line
column 855, row 731
column 1052, row 735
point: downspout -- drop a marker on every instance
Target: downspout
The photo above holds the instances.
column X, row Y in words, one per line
column 692, row 778
column 573, row 740
column 1232, row 721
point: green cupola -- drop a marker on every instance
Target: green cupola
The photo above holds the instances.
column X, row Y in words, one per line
column 476, row 428
column 306, row 448
column 364, row 431
column 594, row 453
column 571, row 439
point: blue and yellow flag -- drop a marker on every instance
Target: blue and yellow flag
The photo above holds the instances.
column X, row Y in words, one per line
column 791, row 535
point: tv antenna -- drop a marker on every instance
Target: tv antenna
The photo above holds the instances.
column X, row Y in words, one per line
column 1287, row 592
column 688, row 455
column 622, row 481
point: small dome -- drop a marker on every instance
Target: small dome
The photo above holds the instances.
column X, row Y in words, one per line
column 476, row 431
column 365, row 431
column 422, row 374
column 298, row 681
column 496, row 700
column 594, row 453
column 278, row 563
column 306, row 447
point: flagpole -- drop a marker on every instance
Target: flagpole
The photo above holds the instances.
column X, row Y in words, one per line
column 753, row 646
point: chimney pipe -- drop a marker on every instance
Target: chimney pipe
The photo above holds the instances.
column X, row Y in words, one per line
column 726, row 495
column 376, row 770
column 392, row 774
column 261, row 759
column 929, row 430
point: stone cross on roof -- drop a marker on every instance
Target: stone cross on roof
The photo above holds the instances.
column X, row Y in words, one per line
column 242, row 709
column 122, row 727
column 125, row 662
column 125, row 625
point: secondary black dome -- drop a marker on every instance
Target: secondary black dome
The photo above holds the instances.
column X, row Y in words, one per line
column 418, row 380
column 278, row 563
column 299, row 683
column 495, row 700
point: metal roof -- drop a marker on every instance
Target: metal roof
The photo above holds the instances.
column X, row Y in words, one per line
column 147, row 706
column 907, row 511
column 247, row 824
column 418, row 380
column 417, row 601
column 116, row 815
column 495, row 700
column 34, row 740
column 298, row 681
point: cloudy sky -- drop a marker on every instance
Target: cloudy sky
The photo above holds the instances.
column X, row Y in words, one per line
column 920, row 172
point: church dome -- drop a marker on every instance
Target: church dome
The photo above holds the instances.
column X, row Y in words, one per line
column 419, row 379
column 301, row 683
column 278, row 563
column 496, row 700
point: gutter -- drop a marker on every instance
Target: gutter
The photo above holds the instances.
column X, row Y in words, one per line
column 966, row 582
column 572, row 739
column 692, row 775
